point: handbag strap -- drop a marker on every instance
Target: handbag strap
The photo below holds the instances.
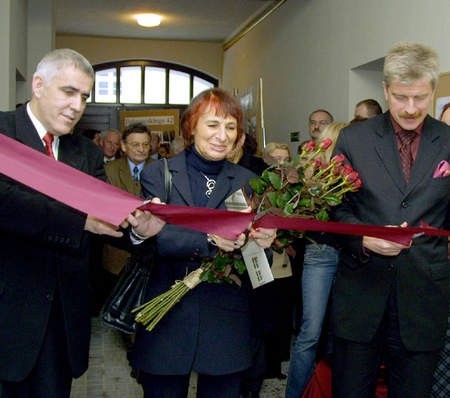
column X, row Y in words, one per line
column 167, row 180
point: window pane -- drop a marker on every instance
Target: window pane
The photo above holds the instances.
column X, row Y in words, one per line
column 201, row 85
column 178, row 87
column 105, row 85
column 155, row 85
column 130, row 85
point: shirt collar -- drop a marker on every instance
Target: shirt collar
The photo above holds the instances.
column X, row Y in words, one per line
column 42, row 130
column 132, row 165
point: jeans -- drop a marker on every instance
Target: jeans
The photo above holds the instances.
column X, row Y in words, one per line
column 319, row 268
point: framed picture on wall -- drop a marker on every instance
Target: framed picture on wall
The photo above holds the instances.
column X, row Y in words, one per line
column 442, row 94
column 162, row 122
column 251, row 102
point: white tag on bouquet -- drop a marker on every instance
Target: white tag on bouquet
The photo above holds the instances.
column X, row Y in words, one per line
column 258, row 267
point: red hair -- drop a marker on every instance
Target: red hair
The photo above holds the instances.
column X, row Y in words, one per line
column 217, row 100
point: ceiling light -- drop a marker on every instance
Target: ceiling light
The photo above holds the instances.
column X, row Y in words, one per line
column 148, row 20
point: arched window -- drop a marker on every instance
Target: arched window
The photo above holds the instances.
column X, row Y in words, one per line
column 146, row 82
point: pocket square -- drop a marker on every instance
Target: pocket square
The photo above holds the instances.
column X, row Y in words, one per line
column 442, row 169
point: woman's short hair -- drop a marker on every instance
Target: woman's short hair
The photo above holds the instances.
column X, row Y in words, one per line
column 54, row 61
column 217, row 99
column 407, row 62
column 270, row 147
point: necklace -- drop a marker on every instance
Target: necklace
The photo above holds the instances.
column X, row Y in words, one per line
column 210, row 184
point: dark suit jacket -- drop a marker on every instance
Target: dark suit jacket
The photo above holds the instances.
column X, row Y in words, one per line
column 419, row 274
column 209, row 329
column 43, row 249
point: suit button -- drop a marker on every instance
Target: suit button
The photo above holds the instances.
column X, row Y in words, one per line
column 390, row 267
column 405, row 204
column 49, row 296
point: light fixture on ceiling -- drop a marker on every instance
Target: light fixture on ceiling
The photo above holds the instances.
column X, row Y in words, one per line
column 148, row 20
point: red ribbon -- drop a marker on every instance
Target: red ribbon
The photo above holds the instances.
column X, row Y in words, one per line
column 106, row 202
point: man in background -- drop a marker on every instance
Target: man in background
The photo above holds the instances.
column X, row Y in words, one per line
column 110, row 144
column 367, row 109
column 317, row 121
column 124, row 173
column 390, row 299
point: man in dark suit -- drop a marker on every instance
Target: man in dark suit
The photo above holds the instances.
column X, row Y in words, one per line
column 44, row 309
column 390, row 299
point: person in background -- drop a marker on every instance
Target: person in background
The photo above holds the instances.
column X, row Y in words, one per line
column 209, row 330
column 445, row 114
column 44, row 245
column 94, row 135
column 367, row 109
column 124, row 173
column 317, row 121
column 390, row 299
column 110, row 144
column 164, row 150
column 319, row 267
column 176, row 145
column 155, row 140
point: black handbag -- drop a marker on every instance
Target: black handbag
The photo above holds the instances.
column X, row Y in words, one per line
column 130, row 289
column 128, row 294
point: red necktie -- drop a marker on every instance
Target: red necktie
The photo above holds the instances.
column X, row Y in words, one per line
column 48, row 139
column 406, row 156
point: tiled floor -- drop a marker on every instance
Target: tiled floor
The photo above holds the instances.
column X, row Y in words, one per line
column 108, row 375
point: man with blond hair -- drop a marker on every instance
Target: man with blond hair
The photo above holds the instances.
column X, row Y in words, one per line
column 390, row 299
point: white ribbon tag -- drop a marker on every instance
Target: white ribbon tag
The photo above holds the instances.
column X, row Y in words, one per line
column 258, row 267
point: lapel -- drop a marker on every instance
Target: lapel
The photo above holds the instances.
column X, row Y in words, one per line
column 223, row 187
column 125, row 176
column 386, row 149
column 25, row 130
column 180, row 179
column 430, row 145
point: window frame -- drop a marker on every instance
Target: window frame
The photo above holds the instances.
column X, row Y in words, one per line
column 167, row 66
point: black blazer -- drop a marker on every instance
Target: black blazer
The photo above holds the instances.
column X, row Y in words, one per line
column 420, row 274
column 209, row 330
column 44, row 252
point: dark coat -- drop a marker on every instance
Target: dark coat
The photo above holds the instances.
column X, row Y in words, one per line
column 419, row 274
column 209, row 329
column 44, row 252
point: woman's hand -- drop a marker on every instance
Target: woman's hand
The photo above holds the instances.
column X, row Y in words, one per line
column 263, row 237
column 227, row 245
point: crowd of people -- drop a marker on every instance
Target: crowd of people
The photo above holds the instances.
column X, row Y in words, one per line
column 358, row 302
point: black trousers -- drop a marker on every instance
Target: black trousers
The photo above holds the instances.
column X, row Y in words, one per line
column 160, row 386
column 355, row 365
column 51, row 375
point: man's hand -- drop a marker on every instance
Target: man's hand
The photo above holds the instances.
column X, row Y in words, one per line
column 100, row 227
column 145, row 223
column 385, row 247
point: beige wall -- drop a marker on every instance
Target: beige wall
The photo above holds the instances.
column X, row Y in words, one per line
column 203, row 56
column 313, row 54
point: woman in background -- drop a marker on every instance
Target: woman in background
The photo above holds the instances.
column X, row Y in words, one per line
column 319, row 267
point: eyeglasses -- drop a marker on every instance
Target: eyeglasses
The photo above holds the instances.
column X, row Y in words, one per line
column 137, row 145
column 319, row 122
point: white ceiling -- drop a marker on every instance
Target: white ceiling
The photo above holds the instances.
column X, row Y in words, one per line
column 210, row 20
